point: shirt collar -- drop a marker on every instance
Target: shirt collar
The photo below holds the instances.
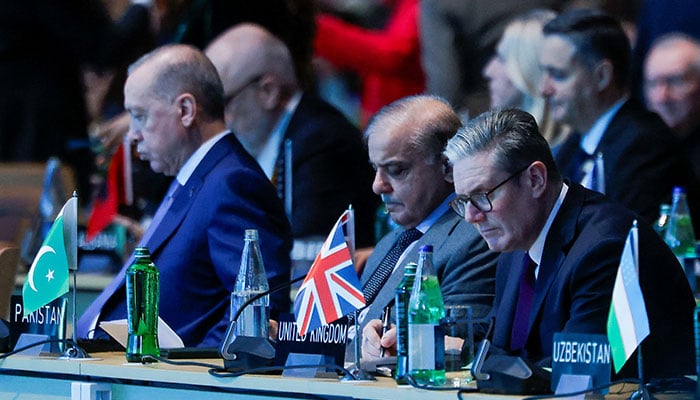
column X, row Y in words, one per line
column 270, row 151
column 191, row 164
column 436, row 214
column 537, row 248
column 590, row 141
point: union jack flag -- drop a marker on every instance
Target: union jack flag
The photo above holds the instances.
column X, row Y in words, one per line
column 331, row 289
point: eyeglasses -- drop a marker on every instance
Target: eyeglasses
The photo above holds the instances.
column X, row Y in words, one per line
column 229, row 98
column 480, row 201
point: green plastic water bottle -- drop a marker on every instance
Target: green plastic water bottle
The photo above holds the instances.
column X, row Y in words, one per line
column 401, row 300
column 426, row 341
column 680, row 236
column 142, row 293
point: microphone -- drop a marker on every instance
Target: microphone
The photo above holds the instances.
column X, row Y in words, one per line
column 246, row 352
column 506, row 374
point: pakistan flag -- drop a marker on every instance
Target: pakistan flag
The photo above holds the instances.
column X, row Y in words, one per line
column 47, row 278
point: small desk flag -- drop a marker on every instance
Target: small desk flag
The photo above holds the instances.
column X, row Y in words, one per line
column 628, row 323
column 47, row 278
column 331, row 289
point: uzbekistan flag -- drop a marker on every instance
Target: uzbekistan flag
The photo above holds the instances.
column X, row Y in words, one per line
column 331, row 289
column 628, row 323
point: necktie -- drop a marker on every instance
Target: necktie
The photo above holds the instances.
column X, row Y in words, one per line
column 103, row 305
column 386, row 266
column 160, row 213
column 522, row 312
column 579, row 161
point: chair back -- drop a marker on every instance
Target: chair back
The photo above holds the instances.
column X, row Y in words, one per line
column 9, row 260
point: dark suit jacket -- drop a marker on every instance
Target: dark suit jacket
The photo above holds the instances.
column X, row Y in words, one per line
column 642, row 162
column 576, row 277
column 330, row 171
column 465, row 266
column 198, row 245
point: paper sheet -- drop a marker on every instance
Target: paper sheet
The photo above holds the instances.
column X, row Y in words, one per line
column 167, row 338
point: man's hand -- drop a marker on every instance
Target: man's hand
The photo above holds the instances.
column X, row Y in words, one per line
column 373, row 341
column 111, row 133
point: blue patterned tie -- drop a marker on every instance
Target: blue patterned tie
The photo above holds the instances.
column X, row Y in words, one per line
column 386, row 266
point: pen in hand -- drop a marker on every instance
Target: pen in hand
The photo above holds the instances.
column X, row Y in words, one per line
column 386, row 324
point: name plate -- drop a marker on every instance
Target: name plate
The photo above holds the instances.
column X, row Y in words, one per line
column 327, row 340
column 49, row 320
column 581, row 354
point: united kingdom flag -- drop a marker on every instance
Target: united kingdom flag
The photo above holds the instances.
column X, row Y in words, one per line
column 331, row 289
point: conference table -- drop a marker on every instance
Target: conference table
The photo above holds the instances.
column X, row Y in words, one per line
column 110, row 377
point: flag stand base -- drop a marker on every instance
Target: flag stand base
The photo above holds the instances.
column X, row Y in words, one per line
column 73, row 352
column 357, row 374
column 642, row 394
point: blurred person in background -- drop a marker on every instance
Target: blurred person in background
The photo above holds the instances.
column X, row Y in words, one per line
column 386, row 59
column 586, row 57
column 514, row 73
column 672, row 89
column 458, row 38
column 44, row 45
column 266, row 106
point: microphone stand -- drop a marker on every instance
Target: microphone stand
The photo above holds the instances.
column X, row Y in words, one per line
column 72, row 351
column 245, row 352
column 643, row 392
column 358, row 374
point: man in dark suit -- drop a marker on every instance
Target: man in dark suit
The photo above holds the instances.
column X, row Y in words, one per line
column 405, row 141
column 586, row 56
column 561, row 247
column 175, row 100
column 266, row 107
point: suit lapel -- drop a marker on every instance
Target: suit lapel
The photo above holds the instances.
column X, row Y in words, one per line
column 183, row 198
column 559, row 237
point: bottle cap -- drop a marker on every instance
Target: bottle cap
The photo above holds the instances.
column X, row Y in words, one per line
column 678, row 190
column 251, row 234
column 410, row 268
column 426, row 248
column 141, row 251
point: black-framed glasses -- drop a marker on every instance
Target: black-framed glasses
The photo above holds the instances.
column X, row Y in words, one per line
column 254, row 80
column 480, row 201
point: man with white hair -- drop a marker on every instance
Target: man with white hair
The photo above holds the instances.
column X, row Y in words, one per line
column 672, row 89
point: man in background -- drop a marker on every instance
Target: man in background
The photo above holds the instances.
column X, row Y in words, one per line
column 672, row 89
column 175, row 101
column 586, row 56
column 266, row 108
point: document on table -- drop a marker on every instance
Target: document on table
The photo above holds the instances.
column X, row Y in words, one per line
column 167, row 338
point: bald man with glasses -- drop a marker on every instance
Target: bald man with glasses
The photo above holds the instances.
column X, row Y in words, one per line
column 560, row 248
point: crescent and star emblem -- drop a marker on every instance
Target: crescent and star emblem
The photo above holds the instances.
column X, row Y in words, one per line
column 40, row 254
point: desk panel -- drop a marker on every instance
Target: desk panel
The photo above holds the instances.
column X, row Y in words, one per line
column 19, row 376
column 44, row 378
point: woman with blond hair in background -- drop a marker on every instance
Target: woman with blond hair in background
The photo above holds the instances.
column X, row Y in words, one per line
column 514, row 72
